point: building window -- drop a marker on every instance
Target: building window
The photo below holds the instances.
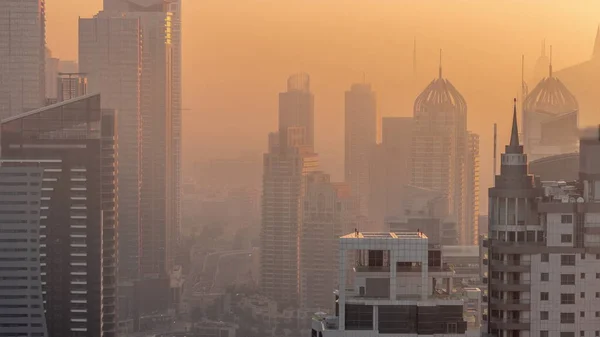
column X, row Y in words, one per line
column 566, row 238
column 582, row 276
column 567, row 334
column 545, row 277
column 597, row 333
column 598, row 275
column 567, row 260
column 582, row 314
column 544, row 296
column 581, row 333
column 567, row 279
column 583, row 256
column 567, row 298
column 544, row 315
column 567, row 318
column 582, row 294
column 545, row 257
column 543, row 333
column 566, row 218
column 597, row 295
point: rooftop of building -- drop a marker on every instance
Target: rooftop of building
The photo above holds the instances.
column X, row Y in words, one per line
column 385, row 235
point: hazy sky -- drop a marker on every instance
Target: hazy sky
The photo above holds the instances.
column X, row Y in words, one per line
column 238, row 54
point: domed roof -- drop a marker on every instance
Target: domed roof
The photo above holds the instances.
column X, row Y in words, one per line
column 440, row 95
column 551, row 97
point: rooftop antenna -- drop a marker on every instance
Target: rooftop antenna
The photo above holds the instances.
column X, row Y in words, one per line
column 550, row 67
column 440, row 63
column 495, row 157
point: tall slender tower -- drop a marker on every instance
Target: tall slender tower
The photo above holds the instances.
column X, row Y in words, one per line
column 110, row 48
column 439, row 146
column 22, row 56
column 286, row 166
column 361, row 137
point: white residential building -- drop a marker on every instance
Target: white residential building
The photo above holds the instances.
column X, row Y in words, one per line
column 393, row 284
column 544, row 248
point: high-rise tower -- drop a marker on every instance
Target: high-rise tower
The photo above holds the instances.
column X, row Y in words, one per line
column 550, row 119
column 286, row 166
column 74, row 142
column 361, row 137
column 110, row 49
column 439, row 146
column 22, row 56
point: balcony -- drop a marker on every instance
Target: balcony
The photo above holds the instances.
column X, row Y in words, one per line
column 403, row 269
column 509, row 323
column 511, row 265
column 510, row 304
column 510, row 285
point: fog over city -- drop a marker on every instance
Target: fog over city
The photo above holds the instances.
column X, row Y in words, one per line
column 295, row 168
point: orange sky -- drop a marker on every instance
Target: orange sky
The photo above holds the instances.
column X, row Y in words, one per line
column 238, row 54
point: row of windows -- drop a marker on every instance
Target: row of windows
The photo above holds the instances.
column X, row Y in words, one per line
column 566, row 298
column 565, row 279
column 545, row 333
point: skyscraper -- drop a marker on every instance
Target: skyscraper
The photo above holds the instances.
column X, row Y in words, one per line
column 110, row 53
column 327, row 208
column 544, row 247
column 74, row 141
column 550, row 119
column 22, row 56
column 439, row 147
column 22, row 306
column 173, row 11
column 390, row 169
column 471, row 191
column 286, row 166
column 360, row 139
column 296, row 108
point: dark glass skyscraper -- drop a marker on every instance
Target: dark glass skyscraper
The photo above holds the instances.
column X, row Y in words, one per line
column 74, row 141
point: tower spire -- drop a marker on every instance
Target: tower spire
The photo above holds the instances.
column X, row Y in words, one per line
column 514, row 135
column 550, row 66
column 440, row 63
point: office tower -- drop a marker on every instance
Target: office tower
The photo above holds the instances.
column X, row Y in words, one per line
column 327, row 208
column 22, row 306
column 71, row 85
column 439, row 147
column 52, row 66
column 173, row 11
column 471, row 191
column 390, row 168
column 74, row 142
column 361, row 137
column 296, row 108
column 110, row 54
column 22, row 56
column 550, row 119
column 285, row 169
column 399, row 285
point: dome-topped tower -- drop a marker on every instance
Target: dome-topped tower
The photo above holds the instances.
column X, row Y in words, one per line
column 439, row 146
column 550, row 117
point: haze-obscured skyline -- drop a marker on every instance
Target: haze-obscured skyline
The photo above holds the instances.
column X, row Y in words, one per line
column 238, row 55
